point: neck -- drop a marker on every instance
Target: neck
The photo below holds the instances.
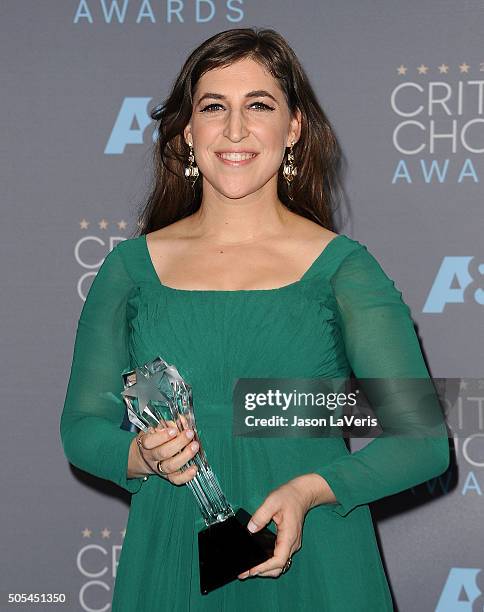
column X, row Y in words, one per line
column 231, row 221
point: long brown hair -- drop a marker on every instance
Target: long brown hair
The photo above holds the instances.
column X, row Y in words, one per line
column 315, row 189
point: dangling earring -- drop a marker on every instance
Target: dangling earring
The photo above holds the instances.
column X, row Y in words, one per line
column 191, row 171
column 289, row 170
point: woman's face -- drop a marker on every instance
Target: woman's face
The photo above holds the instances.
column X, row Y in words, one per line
column 240, row 110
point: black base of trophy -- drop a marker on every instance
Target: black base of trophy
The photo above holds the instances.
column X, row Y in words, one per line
column 227, row 549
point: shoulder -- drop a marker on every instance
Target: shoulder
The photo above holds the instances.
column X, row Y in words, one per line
column 310, row 240
column 126, row 258
column 338, row 251
column 111, row 284
column 318, row 237
column 359, row 260
column 177, row 230
column 350, row 265
column 171, row 239
column 309, row 231
column 361, row 280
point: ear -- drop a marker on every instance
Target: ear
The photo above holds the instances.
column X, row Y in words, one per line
column 187, row 134
column 294, row 128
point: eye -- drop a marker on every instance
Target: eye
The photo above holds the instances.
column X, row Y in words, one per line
column 210, row 108
column 264, row 106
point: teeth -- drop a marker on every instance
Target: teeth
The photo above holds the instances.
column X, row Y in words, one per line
column 236, row 156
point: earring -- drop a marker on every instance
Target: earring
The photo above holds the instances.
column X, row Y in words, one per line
column 289, row 170
column 191, row 171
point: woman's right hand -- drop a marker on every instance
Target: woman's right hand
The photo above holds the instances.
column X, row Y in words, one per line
column 172, row 450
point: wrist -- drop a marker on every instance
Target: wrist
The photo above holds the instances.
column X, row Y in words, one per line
column 317, row 490
column 137, row 466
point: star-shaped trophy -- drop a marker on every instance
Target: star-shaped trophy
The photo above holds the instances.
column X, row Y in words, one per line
column 156, row 393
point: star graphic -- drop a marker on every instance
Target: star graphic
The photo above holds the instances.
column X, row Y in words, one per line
column 422, row 69
column 86, row 533
column 83, row 223
column 122, row 224
column 464, row 67
column 105, row 533
column 402, row 69
column 443, row 69
column 145, row 389
column 103, row 224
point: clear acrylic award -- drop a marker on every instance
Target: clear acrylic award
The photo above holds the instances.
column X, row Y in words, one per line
column 156, row 394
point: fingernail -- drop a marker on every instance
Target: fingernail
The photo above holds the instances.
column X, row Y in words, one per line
column 251, row 526
column 243, row 576
column 171, row 432
column 194, row 446
column 189, row 433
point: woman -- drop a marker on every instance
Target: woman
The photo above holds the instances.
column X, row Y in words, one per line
column 236, row 273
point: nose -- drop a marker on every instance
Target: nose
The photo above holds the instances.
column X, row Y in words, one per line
column 235, row 127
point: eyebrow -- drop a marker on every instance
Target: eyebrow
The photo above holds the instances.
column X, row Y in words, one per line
column 258, row 93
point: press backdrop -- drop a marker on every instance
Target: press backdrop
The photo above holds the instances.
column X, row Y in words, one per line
column 402, row 84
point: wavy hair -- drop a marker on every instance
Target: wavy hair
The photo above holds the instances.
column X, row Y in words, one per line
column 316, row 187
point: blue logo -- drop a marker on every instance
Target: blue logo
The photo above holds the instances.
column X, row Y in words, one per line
column 455, row 283
column 129, row 126
column 463, row 591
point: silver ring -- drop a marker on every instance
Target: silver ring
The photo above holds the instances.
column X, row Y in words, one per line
column 160, row 469
column 287, row 566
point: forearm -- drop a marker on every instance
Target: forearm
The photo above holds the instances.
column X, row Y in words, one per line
column 385, row 466
column 99, row 447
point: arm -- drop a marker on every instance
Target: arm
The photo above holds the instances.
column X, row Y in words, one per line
column 381, row 343
column 93, row 409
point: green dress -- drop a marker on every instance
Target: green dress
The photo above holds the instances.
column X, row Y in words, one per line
column 345, row 314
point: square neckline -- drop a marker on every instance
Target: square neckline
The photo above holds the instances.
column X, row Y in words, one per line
column 157, row 279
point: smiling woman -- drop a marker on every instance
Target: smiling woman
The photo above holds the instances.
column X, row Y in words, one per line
column 236, row 273
column 237, row 132
column 242, row 91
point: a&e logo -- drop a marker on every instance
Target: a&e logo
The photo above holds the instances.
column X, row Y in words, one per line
column 456, row 282
column 463, row 591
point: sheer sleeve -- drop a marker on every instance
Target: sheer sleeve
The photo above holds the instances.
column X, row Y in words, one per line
column 93, row 409
column 381, row 344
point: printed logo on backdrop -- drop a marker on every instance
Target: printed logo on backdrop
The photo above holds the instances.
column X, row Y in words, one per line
column 97, row 562
column 91, row 249
column 458, row 280
column 463, row 591
column 463, row 403
column 438, row 136
column 439, row 130
column 156, row 11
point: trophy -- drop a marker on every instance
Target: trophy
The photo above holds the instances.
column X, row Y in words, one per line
column 156, row 393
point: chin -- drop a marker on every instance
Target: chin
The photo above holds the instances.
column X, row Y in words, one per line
column 236, row 191
column 237, row 194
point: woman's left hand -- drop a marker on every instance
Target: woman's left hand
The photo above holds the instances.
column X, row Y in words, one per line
column 287, row 506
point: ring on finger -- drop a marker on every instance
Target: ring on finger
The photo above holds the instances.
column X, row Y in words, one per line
column 138, row 440
column 160, row 469
column 287, row 565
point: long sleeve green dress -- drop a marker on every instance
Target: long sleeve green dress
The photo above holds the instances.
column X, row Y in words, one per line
column 345, row 314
